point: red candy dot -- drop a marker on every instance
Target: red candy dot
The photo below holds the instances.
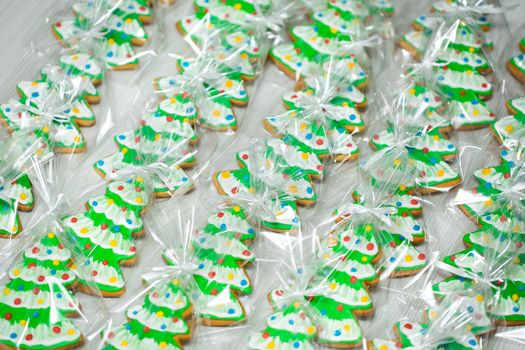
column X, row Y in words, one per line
column 41, row 278
column 87, row 246
column 408, row 326
column 8, row 316
column 132, row 249
column 244, row 156
column 146, row 329
column 35, row 250
column 414, row 202
column 503, row 219
column 425, row 149
column 220, row 215
column 393, row 244
column 175, row 319
column 58, row 24
column 120, row 188
column 29, row 337
column 265, row 335
column 65, row 276
column 104, row 226
column 36, row 291
column 211, row 274
column 213, row 292
column 370, row 246
column 18, row 301
column 319, row 141
column 56, row 329
column 94, row 273
column 169, row 119
column 73, row 220
column 421, row 256
column 105, row 263
column 220, row 260
column 484, row 85
column 246, row 253
column 404, row 214
column 339, row 307
column 353, row 279
column 346, row 238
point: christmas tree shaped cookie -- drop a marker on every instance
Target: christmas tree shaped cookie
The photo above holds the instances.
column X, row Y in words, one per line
column 221, row 254
column 105, row 233
column 335, row 25
column 161, row 322
column 9, row 222
column 165, row 136
column 516, row 65
column 496, row 201
column 36, row 303
column 211, row 86
column 120, row 27
column 496, row 257
column 289, row 327
column 230, row 19
column 419, row 150
column 277, row 185
column 509, row 130
column 453, row 326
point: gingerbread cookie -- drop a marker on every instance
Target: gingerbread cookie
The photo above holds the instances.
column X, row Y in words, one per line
column 492, row 203
column 494, row 256
column 40, row 284
column 221, row 254
column 163, row 321
column 105, row 233
column 516, row 66
column 119, row 28
column 509, row 130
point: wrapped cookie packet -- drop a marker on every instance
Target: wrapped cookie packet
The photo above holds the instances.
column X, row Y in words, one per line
column 39, row 306
column 24, row 150
column 201, row 281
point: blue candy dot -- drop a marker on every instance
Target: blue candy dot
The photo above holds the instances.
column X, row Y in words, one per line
column 229, row 117
column 309, row 190
column 337, row 333
column 163, row 326
column 472, row 342
column 109, row 54
column 121, row 137
column 36, row 314
column 53, row 272
column 100, row 162
column 201, row 266
column 185, row 64
column 352, row 117
column 8, row 110
column 308, row 136
column 417, row 228
column 59, row 295
column 296, row 345
column 222, row 227
column 12, row 335
column 398, row 204
column 231, row 311
column 291, row 322
column 116, row 228
column 35, row 94
column 243, row 283
column 392, row 259
column 95, row 203
column 135, row 312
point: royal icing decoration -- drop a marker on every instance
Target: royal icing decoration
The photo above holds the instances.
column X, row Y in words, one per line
column 105, row 233
column 220, row 254
column 161, row 322
column 119, row 27
column 39, row 285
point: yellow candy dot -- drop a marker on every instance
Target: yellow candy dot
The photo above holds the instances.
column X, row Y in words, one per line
column 139, row 179
column 397, row 161
column 440, row 172
column 436, row 138
column 515, row 297
column 287, row 57
column 70, row 331
column 237, row 6
column 488, row 203
column 383, row 347
column 75, row 110
column 230, row 276
column 486, row 171
column 157, row 137
column 480, row 298
column 124, row 150
column 305, row 156
column 23, row 196
column 45, row 129
column 175, row 281
column 364, row 299
column 412, row 91
column 51, row 235
column 244, row 55
column 475, row 112
column 310, row 330
column 509, row 128
column 34, row 83
column 433, row 314
column 56, row 262
column 14, row 228
column 138, row 200
column 347, row 327
column 40, row 301
column 313, row 39
column 292, row 188
column 333, row 286
column 303, row 126
column 228, row 84
column 76, row 139
column 468, row 328
column 124, row 343
column 402, row 187
column 112, row 279
column 7, row 291
column 113, row 243
column 271, row 345
column 111, row 41
column 128, row 20
column 469, row 72
column 351, row 65
column 23, row 322
column 110, row 202
column 471, row 49
column 216, row 113
column 368, row 228
column 74, row 57
column 178, row 302
column 16, row 272
column 364, row 259
column 236, row 208
column 408, row 258
column 225, row 175
column 517, row 261
column 84, row 230
column 229, row 243
column 163, row 344
column 159, row 314
column 173, row 101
